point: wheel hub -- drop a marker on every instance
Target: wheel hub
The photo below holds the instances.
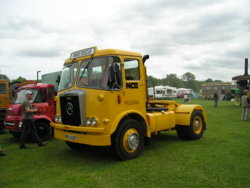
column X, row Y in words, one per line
column 197, row 124
column 133, row 141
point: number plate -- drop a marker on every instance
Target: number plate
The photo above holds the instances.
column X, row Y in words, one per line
column 70, row 137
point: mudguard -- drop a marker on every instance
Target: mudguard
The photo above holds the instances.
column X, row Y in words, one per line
column 184, row 112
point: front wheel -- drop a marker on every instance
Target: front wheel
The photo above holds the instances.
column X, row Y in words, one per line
column 17, row 135
column 43, row 130
column 128, row 140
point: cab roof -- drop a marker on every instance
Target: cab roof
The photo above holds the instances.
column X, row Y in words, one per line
column 106, row 52
column 35, row 86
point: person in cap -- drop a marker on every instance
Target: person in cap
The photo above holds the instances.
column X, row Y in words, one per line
column 28, row 121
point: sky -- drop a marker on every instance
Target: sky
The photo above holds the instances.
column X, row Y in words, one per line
column 209, row 38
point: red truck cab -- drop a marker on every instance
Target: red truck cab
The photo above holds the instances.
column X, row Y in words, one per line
column 43, row 99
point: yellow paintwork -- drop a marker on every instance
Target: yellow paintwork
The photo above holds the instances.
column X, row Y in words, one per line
column 110, row 107
column 5, row 98
column 184, row 112
column 89, row 139
column 160, row 121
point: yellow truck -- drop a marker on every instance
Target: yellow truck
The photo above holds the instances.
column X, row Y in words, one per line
column 4, row 101
column 102, row 101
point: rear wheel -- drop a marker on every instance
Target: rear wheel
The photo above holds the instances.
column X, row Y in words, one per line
column 128, row 140
column 197, row 125
column 195, row 129
column 182, row 131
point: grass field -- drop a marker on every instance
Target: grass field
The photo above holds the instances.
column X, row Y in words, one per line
column 221, row 158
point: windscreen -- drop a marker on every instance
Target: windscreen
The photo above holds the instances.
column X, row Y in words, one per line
column 21, row 96
column 68, row 76
column 100, row 73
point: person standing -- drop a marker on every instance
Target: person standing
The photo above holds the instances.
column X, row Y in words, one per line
column 216, row 99
column 244, row 105
column 28, row 122
column 185, row 97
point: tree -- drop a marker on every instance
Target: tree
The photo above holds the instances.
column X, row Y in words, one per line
column 19, row 79
column 190, row 82
column 4, row 77
column 151, row 81
column 188, row 76
column 208, row 80
column 173, row 80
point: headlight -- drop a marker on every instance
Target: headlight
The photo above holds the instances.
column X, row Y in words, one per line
column 20, row 124
column 58, row 119
column 88, row 121
column 91, row 121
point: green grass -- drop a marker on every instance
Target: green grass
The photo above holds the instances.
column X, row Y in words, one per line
column 221, row 158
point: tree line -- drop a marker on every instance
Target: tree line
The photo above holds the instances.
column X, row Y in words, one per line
column 187, row 80
column 19, row 79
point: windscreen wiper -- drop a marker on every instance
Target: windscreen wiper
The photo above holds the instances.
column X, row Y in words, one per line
column 90, row 60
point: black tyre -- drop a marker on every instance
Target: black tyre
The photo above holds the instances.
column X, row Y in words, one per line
column 182, row 131
column 128, row 140
column 43, row 130
column 17, row 135
column 197, row 125
column 196, row 128
column 75, row 146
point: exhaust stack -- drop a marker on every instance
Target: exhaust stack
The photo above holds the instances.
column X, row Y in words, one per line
column 246, row 67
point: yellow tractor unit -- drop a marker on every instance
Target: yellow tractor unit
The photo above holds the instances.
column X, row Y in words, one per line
column 102, row 101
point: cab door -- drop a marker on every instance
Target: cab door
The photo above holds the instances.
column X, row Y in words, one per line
column 135, row 86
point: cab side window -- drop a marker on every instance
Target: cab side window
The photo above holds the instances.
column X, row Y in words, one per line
column 41, row 96
column 132, row 69
column 51, row 93
column 2, row 89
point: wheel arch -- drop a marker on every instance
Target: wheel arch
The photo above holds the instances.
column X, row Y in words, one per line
column 42, row 118
column 45, row 120
column 131, row 115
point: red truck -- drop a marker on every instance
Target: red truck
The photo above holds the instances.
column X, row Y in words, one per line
column 43, row 99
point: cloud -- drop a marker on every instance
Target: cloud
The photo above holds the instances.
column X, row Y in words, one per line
column 208, row 38
column 39, row 53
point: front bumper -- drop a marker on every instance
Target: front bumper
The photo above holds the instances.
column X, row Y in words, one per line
column 83, row 135
column 13, row 125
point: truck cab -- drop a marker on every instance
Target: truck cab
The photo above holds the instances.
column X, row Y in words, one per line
column 43, row 99
column 102, row 101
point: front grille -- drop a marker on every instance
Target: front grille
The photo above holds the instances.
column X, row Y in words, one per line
column 73, row 107
column 9, row 124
